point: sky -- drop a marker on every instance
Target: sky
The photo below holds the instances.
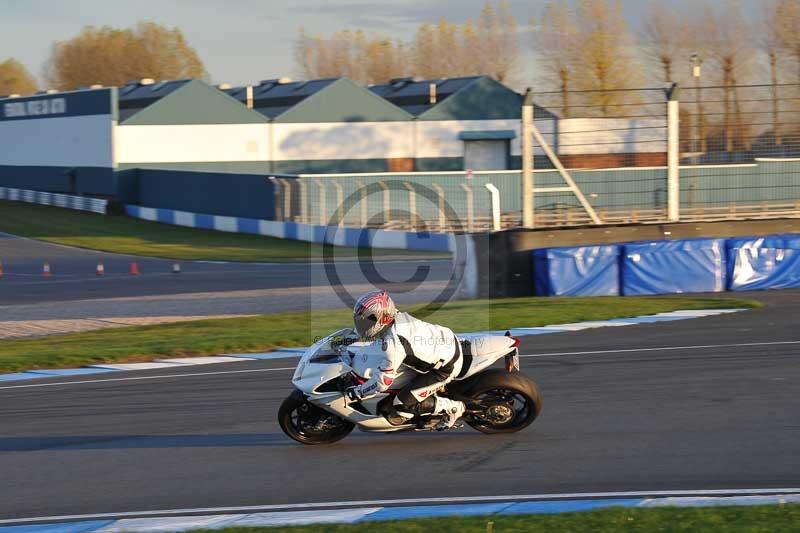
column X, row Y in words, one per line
column 242, row 41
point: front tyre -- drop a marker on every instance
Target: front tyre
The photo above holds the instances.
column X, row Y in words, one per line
column 308, row 424
column 508, row 402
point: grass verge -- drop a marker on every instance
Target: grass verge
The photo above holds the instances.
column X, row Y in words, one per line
column 126, row 235
column 756, row 519
column 262, row 333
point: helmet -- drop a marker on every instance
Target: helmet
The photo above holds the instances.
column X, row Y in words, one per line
column 373, row 313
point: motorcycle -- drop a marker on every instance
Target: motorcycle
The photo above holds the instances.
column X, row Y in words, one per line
column 318, row 412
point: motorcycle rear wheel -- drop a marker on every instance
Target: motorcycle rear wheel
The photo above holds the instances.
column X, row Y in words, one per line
column 296, row 414
column 515, row 398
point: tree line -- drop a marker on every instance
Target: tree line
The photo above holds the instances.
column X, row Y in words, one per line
column 110, row 57
column 577, row 45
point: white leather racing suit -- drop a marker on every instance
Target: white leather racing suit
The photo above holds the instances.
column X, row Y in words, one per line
column 430, row 350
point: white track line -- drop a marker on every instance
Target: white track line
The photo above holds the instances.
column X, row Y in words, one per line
column 554, row 354
column 457, row 499
column 662, row 348
column 144, row 377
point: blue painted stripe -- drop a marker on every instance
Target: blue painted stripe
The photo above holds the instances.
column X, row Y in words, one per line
column 64, row 527
column 290, row 230
column 425, row 240
column 18, row 376
column 71, row 371
column 418, row 511
column 648, row 319
column 165, row 216
column 365, row 238
column 247, row 225
column 429, row 511
column 204, row 221
column 133, row 211
column 352, row 236
column 319, row 233
column 569, row 506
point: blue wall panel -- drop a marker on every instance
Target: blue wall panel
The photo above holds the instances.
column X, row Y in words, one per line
column 577, row 271
column 215, row 193
column 756, row 263
column 66, row 180
column 665, row 267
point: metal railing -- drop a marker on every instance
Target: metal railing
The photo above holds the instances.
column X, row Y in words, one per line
column 635, row 156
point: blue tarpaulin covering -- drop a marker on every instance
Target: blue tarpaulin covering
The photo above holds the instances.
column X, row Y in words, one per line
column 577, row 271
column 771, row 262
column 664, row 267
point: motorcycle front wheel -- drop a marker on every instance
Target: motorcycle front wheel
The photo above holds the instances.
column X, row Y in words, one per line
column 508, row 402
column 308, row 424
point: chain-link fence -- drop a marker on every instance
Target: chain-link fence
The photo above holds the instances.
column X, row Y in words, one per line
column 740, row 152
column 613, row 144
column 734, row 152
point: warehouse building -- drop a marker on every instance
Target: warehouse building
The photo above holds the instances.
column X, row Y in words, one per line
column 76, row 141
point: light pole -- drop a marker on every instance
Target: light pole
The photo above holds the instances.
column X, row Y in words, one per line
column 696, row 62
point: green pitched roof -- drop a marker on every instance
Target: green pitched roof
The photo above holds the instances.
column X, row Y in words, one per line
column 196, row 103
column 343, row 101
column 483, row 99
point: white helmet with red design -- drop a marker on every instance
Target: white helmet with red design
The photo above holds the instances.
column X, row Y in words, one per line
column 373, row 313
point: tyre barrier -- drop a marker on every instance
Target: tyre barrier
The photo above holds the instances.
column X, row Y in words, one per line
column 669, row 267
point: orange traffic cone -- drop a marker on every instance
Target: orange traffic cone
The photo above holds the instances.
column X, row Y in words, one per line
column 176, row 268
column 100, row 270
column 134, row 269
column 46, row 270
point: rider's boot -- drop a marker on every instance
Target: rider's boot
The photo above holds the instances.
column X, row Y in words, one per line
column 451, row 411
column 397, row 414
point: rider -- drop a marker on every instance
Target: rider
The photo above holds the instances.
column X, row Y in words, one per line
column 432, row 351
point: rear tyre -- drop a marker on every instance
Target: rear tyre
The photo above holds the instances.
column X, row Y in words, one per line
column 308, row 424
column 510, row 402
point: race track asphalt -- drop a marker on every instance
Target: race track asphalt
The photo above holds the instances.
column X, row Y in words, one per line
column 74, row 298
column 74, row 278
column 696, row 404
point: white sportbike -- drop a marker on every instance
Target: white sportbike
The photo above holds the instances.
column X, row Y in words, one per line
column 318, row 412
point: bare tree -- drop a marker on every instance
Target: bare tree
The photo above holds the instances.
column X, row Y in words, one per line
column 499, row 50
column 556, row 42
column 111, row 56
column 15, row 79
column 726, row 37
column 664, row 37
column 772, row 45
column 606, row 58
column 442, row 50
column 425, row 52
column 787, row 19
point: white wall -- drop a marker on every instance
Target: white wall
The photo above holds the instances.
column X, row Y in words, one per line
column 71, row 141
column 346, row 140
column 612, row 136
column 192, row 143
column 440, row 138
